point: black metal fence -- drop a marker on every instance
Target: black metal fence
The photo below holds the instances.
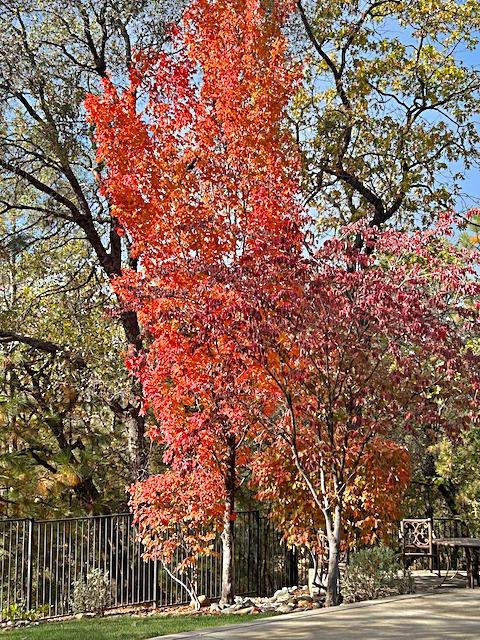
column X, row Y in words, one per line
column 40, row 560
column 452, row 527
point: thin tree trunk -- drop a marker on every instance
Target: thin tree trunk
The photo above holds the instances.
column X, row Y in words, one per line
column 291, row 561
column 137, row 451
column 228, row 587
column 134, row 420
column 333, row 526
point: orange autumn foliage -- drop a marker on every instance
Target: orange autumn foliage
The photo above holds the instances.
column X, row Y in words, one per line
column 372, row 503
column 201, row 172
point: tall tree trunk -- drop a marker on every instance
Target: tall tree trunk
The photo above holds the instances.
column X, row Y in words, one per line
column 333, row 526
column 137, row 446
column 134, row 420
column 228, row 578
column 291, row 561
column 428, row 469
column 448, row 491
column 445, row 488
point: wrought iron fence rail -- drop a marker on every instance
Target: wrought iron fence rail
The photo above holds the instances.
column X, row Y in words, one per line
column 40, row 561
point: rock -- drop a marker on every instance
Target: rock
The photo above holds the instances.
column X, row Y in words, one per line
column 215, row 607
column 280, row 592
column 304, row 598
column 285, row 608
column 243, row 611
column 248, row 603
column 238, row 600
column 79, row 616
column 292, row 589
column 202, row 600
column 283, row 597
column 232, row 608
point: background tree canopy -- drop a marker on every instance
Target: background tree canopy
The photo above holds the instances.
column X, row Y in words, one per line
column 386, row 116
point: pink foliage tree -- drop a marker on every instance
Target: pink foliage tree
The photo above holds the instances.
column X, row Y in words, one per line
column 355, row 342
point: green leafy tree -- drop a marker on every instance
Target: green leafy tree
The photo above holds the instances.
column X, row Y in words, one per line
column 62, row 396
column 456, row 465
column 386, row 114
column 51, row 53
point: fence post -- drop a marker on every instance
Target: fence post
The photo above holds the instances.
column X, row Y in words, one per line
column 155, row 578
column 257, row 559
column 28, row 603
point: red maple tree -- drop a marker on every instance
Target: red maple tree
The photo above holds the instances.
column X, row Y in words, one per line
column 373, row 501
column 202, row 175
column 178, row 515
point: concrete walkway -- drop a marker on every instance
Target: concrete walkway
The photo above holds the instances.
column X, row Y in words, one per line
column 451, row 615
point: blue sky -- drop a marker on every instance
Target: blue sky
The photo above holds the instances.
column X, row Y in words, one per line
column 472, row 181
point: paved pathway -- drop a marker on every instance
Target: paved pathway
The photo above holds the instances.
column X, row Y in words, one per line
column 452, row 615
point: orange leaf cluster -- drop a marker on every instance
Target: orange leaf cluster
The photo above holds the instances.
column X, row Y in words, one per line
column 202, row 173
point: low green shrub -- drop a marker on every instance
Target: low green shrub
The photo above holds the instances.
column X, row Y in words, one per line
column 17, row 612
column 92, row 593
column 375, row 573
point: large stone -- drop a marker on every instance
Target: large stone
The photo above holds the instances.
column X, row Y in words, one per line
column 215, row 607
column 280, row 592
column 304, row 598
column 233, row 608
column 283, row 597
column 249, row 603
column 243, row 611
column 202, row 600
column 285, row 608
